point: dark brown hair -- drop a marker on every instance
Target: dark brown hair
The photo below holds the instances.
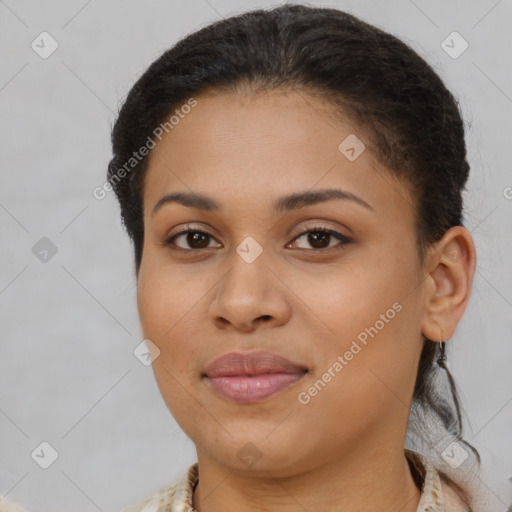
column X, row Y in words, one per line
column 409, row 117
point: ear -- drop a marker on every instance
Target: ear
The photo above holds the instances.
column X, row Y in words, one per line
column 450, row 267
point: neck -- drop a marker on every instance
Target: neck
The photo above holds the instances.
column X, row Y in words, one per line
column 371, row 480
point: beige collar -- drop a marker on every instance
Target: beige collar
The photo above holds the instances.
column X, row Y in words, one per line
column 431, row 500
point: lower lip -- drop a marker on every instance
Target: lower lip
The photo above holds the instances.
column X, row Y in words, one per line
column 245, row 390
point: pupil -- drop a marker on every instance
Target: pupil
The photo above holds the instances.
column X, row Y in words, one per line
column 316, row 238
column 195, row 238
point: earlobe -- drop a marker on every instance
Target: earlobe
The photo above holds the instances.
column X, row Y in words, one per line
column 450, row 265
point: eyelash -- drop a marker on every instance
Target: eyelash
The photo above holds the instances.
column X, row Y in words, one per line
column 315, row 229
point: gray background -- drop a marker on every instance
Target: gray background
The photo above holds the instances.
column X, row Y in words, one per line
column 69, row 325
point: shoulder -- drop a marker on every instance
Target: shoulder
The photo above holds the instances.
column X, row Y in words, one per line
column 178, row 495
column 438, row 493
column 156, row 501
column 452, row 500
column 7, row 506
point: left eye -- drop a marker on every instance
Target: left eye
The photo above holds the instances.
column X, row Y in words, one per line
column 319, row 238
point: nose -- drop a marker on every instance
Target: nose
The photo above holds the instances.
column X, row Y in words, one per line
column 249, row 295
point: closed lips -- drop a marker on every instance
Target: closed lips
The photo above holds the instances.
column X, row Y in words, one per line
column 247, row 378
column 251, row 363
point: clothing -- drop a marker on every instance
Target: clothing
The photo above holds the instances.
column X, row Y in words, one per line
column 7, row 506
column 436, row 496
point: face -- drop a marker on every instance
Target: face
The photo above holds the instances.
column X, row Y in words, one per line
column 329, row 281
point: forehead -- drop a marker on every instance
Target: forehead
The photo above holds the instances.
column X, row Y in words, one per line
column 260, row 145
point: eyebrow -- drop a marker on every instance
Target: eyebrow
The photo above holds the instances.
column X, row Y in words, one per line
column 282, row 204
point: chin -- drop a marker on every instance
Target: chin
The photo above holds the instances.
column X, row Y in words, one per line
column 256, row 454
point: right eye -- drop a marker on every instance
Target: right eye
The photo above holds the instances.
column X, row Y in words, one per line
column 196, row 239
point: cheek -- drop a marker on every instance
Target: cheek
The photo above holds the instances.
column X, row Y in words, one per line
column 359, row 386
column 373, row 325
column 162, row 294
column 352, row 298
column 166, row 311
column 166, row 306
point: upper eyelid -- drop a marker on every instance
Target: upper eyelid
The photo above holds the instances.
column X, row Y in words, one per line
column 317, row 226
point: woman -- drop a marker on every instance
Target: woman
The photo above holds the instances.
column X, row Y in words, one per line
column 291, row 180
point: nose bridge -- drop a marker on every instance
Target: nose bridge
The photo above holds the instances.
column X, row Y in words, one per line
column 248, row 292
column 247, row 280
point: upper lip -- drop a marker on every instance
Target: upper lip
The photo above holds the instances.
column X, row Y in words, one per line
column 251, row 363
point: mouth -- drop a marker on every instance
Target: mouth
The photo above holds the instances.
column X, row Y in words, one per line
column 250, row 377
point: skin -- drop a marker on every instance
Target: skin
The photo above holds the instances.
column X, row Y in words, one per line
column 344, row 449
